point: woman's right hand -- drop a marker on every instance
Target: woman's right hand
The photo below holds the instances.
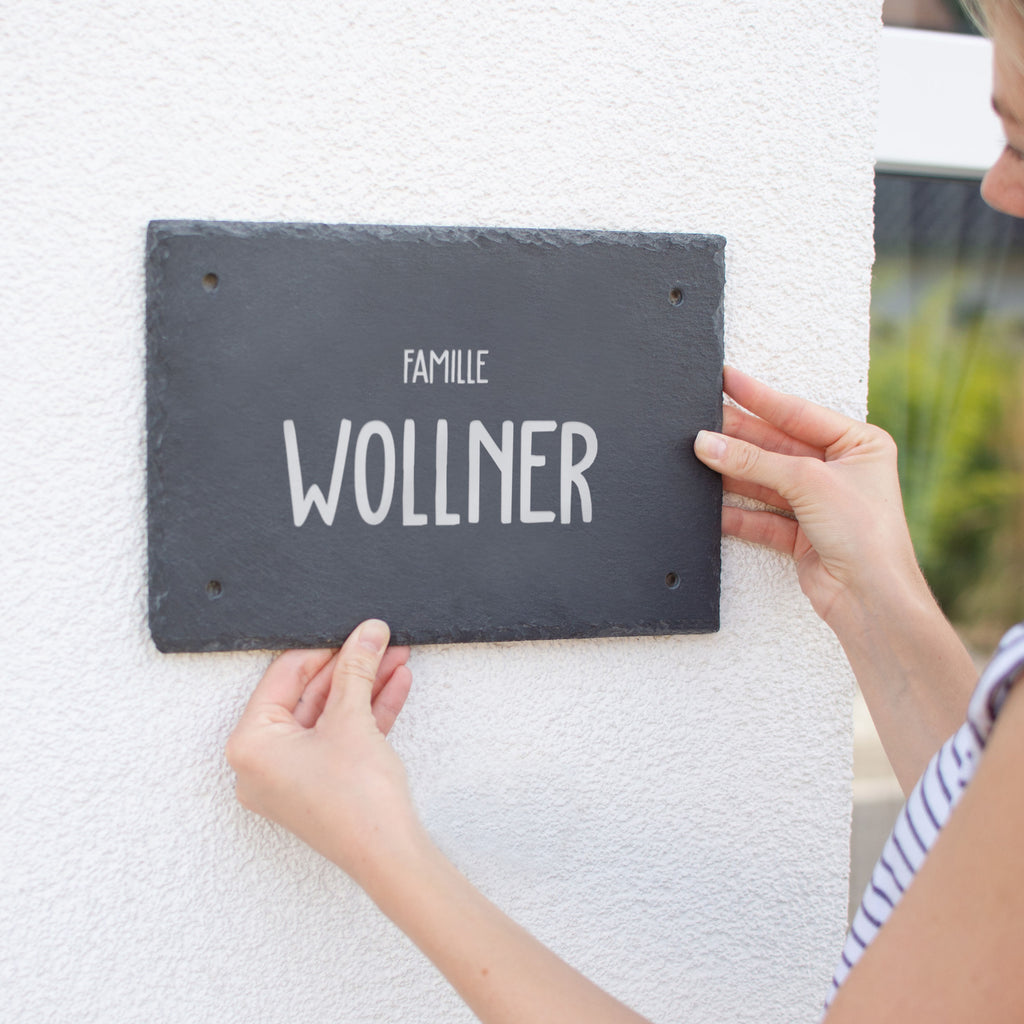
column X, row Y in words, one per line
column 832, row 486
column 310, row 753
column 833, row 481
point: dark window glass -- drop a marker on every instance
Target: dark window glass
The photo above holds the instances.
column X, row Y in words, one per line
column 947, row 381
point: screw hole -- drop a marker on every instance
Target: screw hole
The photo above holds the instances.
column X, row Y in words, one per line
column 214, row 589
column 210, row 282
column 676, row 296
column 672, row 580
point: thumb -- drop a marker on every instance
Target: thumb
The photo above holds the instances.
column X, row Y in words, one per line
column 745, row 462
column 357, row 665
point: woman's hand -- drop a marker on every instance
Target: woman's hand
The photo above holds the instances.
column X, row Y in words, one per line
column 310, row 752
column 834, row 485
column 835, row 479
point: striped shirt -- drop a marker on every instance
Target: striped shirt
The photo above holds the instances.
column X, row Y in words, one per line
column 931, row 803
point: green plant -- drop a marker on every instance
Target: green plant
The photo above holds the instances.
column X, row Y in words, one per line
column 946, row 382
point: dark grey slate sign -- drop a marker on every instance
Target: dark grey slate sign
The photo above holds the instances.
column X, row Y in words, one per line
column 473, row 433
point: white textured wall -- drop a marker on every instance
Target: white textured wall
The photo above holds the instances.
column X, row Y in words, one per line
column 669, row 814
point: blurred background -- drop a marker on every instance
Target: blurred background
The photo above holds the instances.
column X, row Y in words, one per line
column 947, row 354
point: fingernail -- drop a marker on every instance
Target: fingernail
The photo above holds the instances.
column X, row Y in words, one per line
column 710, row 445
column 374, row 635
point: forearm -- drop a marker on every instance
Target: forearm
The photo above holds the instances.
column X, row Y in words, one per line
column 914, row 672
column 504, row 974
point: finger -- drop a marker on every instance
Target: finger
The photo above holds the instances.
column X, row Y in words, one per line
column 391, row 698
column 393, row 657
column 314, row 699
column 794, row 416
column 286, row 679
column 355, row 671
column 740, row 424
column 758, row 492
column 311, row 703
column 765, row 528
column 747, row 465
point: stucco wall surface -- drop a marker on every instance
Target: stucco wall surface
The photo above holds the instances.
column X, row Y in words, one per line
column 671, row 814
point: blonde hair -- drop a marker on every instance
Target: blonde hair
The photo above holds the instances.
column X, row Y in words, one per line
column 984, row 13
column 1004, row 18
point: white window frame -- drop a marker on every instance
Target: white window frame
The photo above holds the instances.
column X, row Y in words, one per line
column 935, row 115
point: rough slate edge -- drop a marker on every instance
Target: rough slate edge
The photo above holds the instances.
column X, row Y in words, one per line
column 439, row 234
column 159, row 230
column 503, row 634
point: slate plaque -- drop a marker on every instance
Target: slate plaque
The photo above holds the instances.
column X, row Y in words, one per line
column 473, row 433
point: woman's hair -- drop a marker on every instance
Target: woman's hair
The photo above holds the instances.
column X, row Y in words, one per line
column 1005, row 17
column 984, row 13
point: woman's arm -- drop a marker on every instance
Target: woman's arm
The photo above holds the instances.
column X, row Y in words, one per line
column 310, row 753
column 951, row 950
column 501, row 971
column 834, row 481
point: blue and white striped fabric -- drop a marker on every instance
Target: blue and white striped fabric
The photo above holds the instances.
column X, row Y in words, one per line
column 932, row 801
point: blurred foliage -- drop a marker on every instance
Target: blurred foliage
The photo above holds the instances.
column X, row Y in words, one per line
column 947, row 382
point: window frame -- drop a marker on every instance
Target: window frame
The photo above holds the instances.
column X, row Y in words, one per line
column 935, row 115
